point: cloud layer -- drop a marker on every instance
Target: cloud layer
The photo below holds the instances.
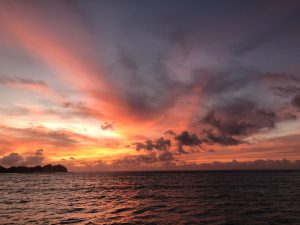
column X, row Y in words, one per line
column 107, row 79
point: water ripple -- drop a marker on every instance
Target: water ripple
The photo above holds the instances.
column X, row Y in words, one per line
column 238, row 198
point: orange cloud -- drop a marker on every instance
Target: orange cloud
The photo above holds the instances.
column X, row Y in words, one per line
column 70, row 53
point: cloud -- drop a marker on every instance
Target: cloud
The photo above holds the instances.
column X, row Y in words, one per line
column 286, row 91
column 148, row 160
column 188, row 139
column 136, row 159
column 296, row 101
column 43, row 137
column 230, row 127
column 282, row 84
column 166, row 156
column 39, row 152
column 11, row 159
column 22, row 81
column 191, row 72
column 34, row 160
column 228, row 124
column 15, row 159
column 170, row 132
column 74, row 59
column 223, row 140
column 164, row 162
column 107, row 126
column 81, row 109
column 160, row 144
column 25, row 83
column 248, row 165
column 182, row 56
column 165, row 149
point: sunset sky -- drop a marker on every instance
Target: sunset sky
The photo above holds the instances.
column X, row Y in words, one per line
column 148, row 84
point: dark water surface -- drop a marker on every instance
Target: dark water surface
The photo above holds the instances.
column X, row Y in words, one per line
column 151, row 198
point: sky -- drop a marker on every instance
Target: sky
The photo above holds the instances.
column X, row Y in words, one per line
column 149, row 85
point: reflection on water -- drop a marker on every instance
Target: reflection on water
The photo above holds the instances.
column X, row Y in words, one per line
column 151, row 198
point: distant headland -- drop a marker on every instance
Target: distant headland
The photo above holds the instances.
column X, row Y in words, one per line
column 37, row 169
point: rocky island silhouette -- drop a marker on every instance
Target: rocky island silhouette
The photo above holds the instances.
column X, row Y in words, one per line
column 36, row 169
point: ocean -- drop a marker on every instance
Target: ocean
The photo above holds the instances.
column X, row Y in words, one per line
column 228, row 197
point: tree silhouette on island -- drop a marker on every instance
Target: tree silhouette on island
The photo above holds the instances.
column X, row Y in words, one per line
column 37, row 169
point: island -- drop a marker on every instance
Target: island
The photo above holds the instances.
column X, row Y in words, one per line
column 36, row 169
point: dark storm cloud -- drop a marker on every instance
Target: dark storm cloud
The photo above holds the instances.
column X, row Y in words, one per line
column 296, row 101
column 160, row 144
column 147, row 89
column 188, row 140
column 157, row 52
column 221, row 139
column 163, row 144
column 166, row 149
column 230, row 123
column 138, row 58
column 154, row 52
column 238, row 82
column 185, row 138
